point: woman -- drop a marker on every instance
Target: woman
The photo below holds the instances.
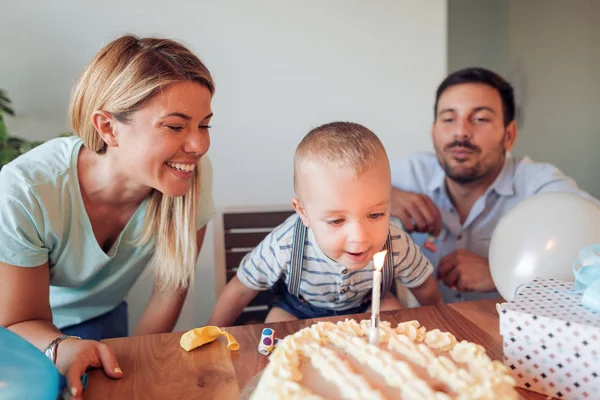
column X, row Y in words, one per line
column 82, row 216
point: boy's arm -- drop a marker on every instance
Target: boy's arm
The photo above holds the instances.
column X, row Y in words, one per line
column 231, row 303
column 413, row 269
column 259, row 270
column 428, row 293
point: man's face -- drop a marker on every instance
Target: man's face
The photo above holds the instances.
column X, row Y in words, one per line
column 469, row 135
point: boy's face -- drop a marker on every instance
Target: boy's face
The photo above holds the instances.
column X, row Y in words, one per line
column 348, row 214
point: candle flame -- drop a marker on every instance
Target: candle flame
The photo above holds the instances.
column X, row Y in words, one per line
column 378, row 259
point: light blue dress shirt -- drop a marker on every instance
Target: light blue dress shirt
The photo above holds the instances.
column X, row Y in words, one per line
column 519, row 179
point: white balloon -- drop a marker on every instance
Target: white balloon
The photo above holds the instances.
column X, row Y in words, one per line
column 541, row 237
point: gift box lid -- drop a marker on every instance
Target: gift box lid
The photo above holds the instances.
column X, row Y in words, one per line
column 550, row 303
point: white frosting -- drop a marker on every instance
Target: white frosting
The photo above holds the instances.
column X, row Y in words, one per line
column 409, row 363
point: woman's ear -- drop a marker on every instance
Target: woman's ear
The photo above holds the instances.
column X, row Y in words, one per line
column 105, row 126
column 297, row 204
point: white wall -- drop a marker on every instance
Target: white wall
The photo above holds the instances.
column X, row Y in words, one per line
column 548, row 50
column 281, row 68
column 478, row 34
column 554, row 48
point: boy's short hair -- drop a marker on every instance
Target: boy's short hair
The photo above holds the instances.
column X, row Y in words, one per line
column 340, row 144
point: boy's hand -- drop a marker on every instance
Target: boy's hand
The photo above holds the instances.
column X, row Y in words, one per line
column 417, row 212
column 466, row 272
column 428, row 293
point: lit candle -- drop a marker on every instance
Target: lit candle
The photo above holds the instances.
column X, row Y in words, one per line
column 378, row 260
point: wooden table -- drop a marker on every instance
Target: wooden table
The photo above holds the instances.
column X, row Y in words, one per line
column 155, row 367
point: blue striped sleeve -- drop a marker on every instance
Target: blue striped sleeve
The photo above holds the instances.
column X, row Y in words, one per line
column 411, row 267
column 263, row 266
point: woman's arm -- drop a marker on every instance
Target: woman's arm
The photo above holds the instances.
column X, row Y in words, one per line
column 25, row 310
column 24, row 303
column 163, row 309
column 162, row 312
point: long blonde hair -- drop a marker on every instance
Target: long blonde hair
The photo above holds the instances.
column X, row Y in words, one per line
column 119, row 80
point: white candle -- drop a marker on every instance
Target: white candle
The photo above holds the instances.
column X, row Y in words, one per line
column 376, row 292
column 378, row 260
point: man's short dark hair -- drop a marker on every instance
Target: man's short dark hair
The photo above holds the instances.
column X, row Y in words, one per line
column 486, row 77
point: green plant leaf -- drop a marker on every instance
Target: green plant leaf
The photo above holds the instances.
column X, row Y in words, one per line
column 7, row 109
column 3, row 130
column 4, row 96
column 7, row 155
column 5, row 103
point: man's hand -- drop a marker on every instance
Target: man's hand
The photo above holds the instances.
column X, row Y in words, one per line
column 417, row 212
column 466, row 272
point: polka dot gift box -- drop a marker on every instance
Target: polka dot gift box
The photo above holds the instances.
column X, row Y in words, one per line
column 551, row 341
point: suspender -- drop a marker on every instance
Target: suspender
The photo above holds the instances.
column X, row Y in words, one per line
column 296, row 261
column 387, row 275
column 297, row 257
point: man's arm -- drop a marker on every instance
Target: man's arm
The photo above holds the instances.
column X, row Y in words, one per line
column 567, row 185
column 545, row 177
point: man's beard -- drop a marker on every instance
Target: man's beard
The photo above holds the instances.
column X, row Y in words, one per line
column 464, row 175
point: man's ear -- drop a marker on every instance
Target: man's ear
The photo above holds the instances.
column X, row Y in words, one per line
column 105, row 126
column 510, row 135
column 297, row 204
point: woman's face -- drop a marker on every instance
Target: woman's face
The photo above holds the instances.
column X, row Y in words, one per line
column 160, row 146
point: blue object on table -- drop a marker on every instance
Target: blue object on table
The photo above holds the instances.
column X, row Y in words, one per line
column 25, row 372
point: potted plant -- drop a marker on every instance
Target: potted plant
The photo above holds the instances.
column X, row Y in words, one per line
column 10, row 147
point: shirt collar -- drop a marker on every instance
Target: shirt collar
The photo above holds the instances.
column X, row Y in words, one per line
column 437, row 180
column 503, row 185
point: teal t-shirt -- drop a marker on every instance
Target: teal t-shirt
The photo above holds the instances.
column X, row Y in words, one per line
column 43, row 219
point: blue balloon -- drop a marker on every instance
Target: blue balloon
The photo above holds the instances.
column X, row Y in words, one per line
column 25, row 372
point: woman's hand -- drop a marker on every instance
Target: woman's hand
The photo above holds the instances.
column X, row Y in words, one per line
column 75, row 356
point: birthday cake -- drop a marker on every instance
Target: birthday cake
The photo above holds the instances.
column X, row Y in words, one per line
column 336, row 361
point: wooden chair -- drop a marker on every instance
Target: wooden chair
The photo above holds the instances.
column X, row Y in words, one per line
column 242, row 232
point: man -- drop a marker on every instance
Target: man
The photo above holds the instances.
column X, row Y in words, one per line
column 452, row 200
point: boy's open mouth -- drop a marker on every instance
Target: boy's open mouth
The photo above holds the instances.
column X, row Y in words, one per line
column 359, row 254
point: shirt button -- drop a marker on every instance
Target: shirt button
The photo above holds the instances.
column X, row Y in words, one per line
column 344, row 271
column 459, row 237
column 344, row 290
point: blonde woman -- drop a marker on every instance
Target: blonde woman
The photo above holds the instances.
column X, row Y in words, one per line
column 83, row 216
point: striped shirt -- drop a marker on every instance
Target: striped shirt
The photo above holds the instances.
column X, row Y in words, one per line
column 326, row 283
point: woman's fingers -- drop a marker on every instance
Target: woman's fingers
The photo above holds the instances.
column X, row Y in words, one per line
column 73, row 376
column 109, row 361
column 79, row 356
